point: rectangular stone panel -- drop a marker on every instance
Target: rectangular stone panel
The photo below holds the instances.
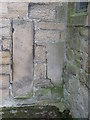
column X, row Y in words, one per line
column 22, row 57
column 55, row 59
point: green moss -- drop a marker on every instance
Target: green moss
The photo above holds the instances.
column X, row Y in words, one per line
column 69, row 54
column 79, row 14
column 28, row 96
column 78, row 63
column 36, row 111
column 46, row 91
column 57, row 90
column 71, row 69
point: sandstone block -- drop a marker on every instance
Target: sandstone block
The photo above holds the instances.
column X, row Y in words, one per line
column 6, row 44
column 16, row 9
column 40, row 53
column 4, row 69
column 47, row 36
column 42, row 11
column 6, row 32
column 4, row 86
column 5, row 23
column 4, row 57
column 39, row 71
column 51, row 25
column 15, row 6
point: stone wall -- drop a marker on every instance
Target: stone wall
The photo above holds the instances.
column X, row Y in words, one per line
column 34, row 54
column 32, row 51
column 76, row 64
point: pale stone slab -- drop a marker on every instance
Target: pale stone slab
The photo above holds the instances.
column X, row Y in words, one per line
column 22, row 57
column 55, row 59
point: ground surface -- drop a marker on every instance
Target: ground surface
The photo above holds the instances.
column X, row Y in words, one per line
column 30, row 112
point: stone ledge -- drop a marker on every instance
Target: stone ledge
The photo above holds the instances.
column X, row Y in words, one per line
column 42, row 83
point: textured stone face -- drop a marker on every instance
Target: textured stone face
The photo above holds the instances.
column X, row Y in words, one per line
column 55, row 58
column 5, row 57
column 4, row 87
column 76, row 73
column 5, row 69
column 40, row 71
column 40, row 54
column 22, row 57
column 47, row 36
column 44, row 12
column 51, row 25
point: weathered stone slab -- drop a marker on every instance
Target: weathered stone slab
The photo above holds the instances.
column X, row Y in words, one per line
column 22, row 57
column 4, row 87
column 55, row 59
column 51, row 25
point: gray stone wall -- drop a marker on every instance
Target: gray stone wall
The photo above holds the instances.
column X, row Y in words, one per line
column 76, row 65
column 32, row 51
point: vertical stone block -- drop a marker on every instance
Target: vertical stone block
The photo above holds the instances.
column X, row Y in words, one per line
column 22, row 57
column 55, row 59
